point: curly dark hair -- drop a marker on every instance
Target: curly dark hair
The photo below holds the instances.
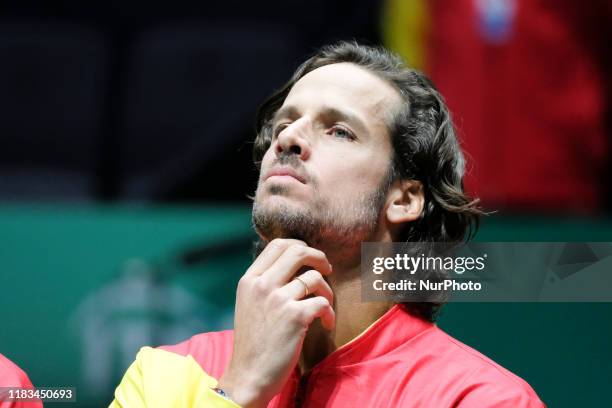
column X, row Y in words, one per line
column 424, row 141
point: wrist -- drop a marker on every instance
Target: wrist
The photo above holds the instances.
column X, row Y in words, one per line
column 241, row 392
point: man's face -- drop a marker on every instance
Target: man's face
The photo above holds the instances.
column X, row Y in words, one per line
column 325, row 174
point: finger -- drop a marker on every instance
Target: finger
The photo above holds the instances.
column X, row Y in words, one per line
column 270, row 254
column 316, row 286
column 318, row 307
column 290, row 262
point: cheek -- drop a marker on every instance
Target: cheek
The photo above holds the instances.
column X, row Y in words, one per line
column 355, row 175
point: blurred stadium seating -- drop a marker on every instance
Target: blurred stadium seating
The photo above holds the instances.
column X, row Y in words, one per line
column 53, row 79
column 189, row 94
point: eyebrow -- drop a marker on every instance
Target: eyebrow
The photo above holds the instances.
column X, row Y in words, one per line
column 327, row 112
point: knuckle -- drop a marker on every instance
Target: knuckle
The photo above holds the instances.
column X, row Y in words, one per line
column 319, row 254
column 278, row 243
column 314, row 275
column 294, row 312
column 276, row 297
column 260, row 286
column 315, row 279
column 322, row 302
column 298, row 250
column 243, row 282
column 295, row 241
column 303, row 317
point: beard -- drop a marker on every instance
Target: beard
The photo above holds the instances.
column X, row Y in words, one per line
column 330, row 225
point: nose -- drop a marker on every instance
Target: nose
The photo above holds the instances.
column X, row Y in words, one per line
column 293, row 140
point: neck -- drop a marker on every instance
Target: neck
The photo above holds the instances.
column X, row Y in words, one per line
column 352, row 317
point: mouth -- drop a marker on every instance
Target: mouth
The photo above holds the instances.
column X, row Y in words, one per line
column 286, row 174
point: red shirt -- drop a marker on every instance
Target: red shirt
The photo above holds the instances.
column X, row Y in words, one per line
column 399, row 361
column 13, row 376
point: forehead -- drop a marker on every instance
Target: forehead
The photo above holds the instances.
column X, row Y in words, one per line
column 345, row 86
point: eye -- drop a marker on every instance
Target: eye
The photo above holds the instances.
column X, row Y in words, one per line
column 342, row 133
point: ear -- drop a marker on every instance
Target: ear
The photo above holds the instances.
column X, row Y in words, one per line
column 406, row 200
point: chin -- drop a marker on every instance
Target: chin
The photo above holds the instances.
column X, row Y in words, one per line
column 279, row 217
column 279, row 204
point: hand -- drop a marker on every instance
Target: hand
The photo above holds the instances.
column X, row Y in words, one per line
column 272, row 317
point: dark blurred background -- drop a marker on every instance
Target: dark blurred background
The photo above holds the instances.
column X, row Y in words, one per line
column 125, row 165
column 130, row 101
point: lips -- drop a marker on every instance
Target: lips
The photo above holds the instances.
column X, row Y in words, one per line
column 285, row 171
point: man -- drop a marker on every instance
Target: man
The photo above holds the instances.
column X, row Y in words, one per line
column 355, row 147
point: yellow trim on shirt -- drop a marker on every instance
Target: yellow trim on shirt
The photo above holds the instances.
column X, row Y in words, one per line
column 159, row 378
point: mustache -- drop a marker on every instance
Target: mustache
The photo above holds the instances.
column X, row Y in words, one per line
column 293, row 161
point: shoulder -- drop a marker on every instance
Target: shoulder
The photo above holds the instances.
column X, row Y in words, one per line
column 160, row 378
column 212, row 350
column 480, row 381
column 11, row 375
